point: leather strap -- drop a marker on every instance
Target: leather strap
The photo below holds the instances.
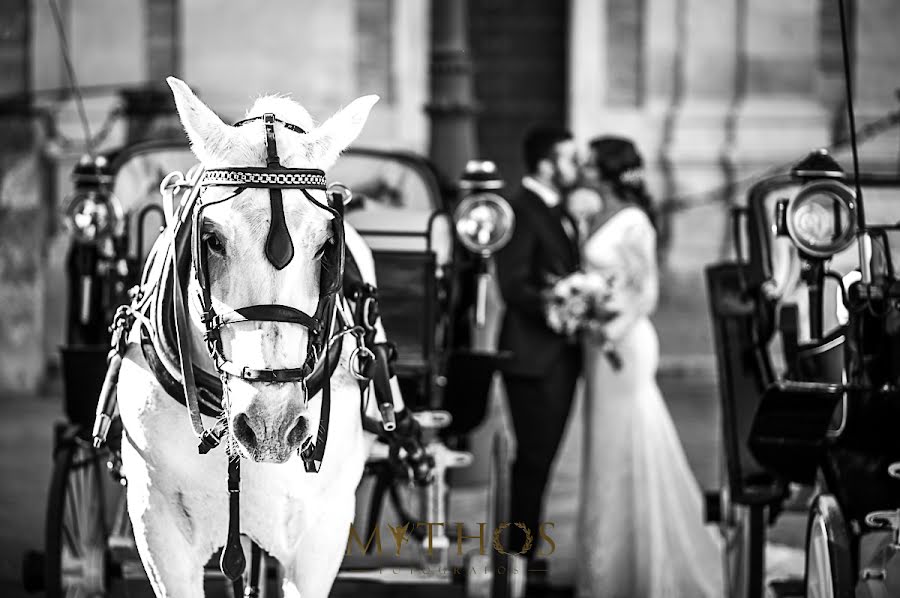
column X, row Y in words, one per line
column 232, row 562
column 183, row 336
column 279, row 247
column 286, row 124
column 265, row 313
column 265, row 375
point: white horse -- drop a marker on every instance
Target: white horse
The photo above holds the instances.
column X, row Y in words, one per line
column 177, row 498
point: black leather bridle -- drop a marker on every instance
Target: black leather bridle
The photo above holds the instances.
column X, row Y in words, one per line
column 322, row 325
column 279, row 251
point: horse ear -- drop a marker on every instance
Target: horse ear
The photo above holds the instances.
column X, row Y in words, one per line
column 211, row 139
column 340, row 131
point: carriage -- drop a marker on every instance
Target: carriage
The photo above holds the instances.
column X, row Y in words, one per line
column 431, row 241
column 805, row 331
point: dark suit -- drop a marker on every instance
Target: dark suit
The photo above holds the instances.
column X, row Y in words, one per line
column 540, row 379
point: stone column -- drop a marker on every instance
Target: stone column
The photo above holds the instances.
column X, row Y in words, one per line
column 781, row 116
column 704, row 93
column 451, row 104
column 587, row 67
column 877, row 79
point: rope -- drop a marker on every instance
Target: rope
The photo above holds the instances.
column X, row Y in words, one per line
column 716, row 195
column 60, row 143
column 73, row 81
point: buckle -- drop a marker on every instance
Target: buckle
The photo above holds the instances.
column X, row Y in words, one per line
column 356, row 367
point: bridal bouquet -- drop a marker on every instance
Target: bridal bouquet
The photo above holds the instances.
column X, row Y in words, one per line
column 579, row 303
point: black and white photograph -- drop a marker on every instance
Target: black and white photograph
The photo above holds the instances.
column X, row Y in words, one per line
column 449, row 298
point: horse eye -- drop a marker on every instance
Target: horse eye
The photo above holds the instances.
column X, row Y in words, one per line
column 214, row 243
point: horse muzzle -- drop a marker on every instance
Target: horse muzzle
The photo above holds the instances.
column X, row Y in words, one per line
column 271, row 431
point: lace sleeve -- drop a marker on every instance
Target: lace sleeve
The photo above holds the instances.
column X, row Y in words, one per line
column 637, row 288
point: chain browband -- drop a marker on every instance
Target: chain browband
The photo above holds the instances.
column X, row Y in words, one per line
column 300, row 178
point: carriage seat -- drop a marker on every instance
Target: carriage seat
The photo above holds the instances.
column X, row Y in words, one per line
column 819, row 360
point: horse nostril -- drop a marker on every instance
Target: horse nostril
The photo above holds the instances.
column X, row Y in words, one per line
column 298, row 434
column 241, row 429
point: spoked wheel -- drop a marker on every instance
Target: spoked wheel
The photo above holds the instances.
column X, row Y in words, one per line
column 76, row 537
column 508, row 570
column 828, row 565
column 496, row 575
column 743, row 532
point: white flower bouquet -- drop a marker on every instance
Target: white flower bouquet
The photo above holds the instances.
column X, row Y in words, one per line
column 579, row 303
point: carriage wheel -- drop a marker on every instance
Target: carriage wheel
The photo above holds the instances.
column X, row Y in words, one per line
column 828, row 565
column 508, row 570
column 76, row 535
column 506, row 576
column 744, row 534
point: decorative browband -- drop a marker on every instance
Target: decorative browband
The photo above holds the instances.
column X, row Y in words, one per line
column 264, row 177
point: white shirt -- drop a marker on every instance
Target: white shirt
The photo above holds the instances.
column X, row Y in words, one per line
column 549, row 196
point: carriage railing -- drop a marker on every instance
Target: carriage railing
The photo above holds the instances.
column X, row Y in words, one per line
column 760, row 311
column 773, row 266
column 827, row 379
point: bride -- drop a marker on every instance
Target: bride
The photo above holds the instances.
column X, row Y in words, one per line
column 641, row 523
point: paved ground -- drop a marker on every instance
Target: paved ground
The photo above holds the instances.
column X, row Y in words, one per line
column 25, row 441
column 687, row 379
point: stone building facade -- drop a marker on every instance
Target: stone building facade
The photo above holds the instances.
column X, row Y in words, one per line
column 711, row 90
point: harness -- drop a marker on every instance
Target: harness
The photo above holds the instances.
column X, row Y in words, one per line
column 279, row 251
column 161, row 308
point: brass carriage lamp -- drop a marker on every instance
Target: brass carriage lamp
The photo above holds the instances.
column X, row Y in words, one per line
column 820, row 219
column 484, row 222
column 92, row 213
column 96, row 220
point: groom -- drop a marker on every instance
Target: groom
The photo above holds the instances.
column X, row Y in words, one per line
column 540, row 379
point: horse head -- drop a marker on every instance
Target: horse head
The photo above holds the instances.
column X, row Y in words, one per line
column 269, row 420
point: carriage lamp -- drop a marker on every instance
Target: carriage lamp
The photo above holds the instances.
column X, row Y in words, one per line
column 95, row 218
column 820, row 219
column 484, row 222
column 92, row 212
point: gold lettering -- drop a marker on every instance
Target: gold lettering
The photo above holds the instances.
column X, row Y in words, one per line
column 400, row 536
column 546, row 537
column 376, row 533
column 498, row 546
column 430, row 527
column 460, row 537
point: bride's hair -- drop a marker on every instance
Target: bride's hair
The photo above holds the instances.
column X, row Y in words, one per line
column 616, row 159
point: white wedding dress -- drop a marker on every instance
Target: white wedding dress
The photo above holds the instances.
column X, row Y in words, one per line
column 641, row 527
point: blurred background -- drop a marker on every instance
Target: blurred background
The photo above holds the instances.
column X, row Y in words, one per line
column 712, row 92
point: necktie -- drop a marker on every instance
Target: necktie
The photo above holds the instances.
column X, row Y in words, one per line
column 567, row 221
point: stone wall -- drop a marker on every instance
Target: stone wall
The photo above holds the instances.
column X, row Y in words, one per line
column 715, row 92
column 323, row 54
column 23, row 215
column 711, row 92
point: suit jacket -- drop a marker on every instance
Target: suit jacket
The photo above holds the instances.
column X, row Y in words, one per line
column 539, row 248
